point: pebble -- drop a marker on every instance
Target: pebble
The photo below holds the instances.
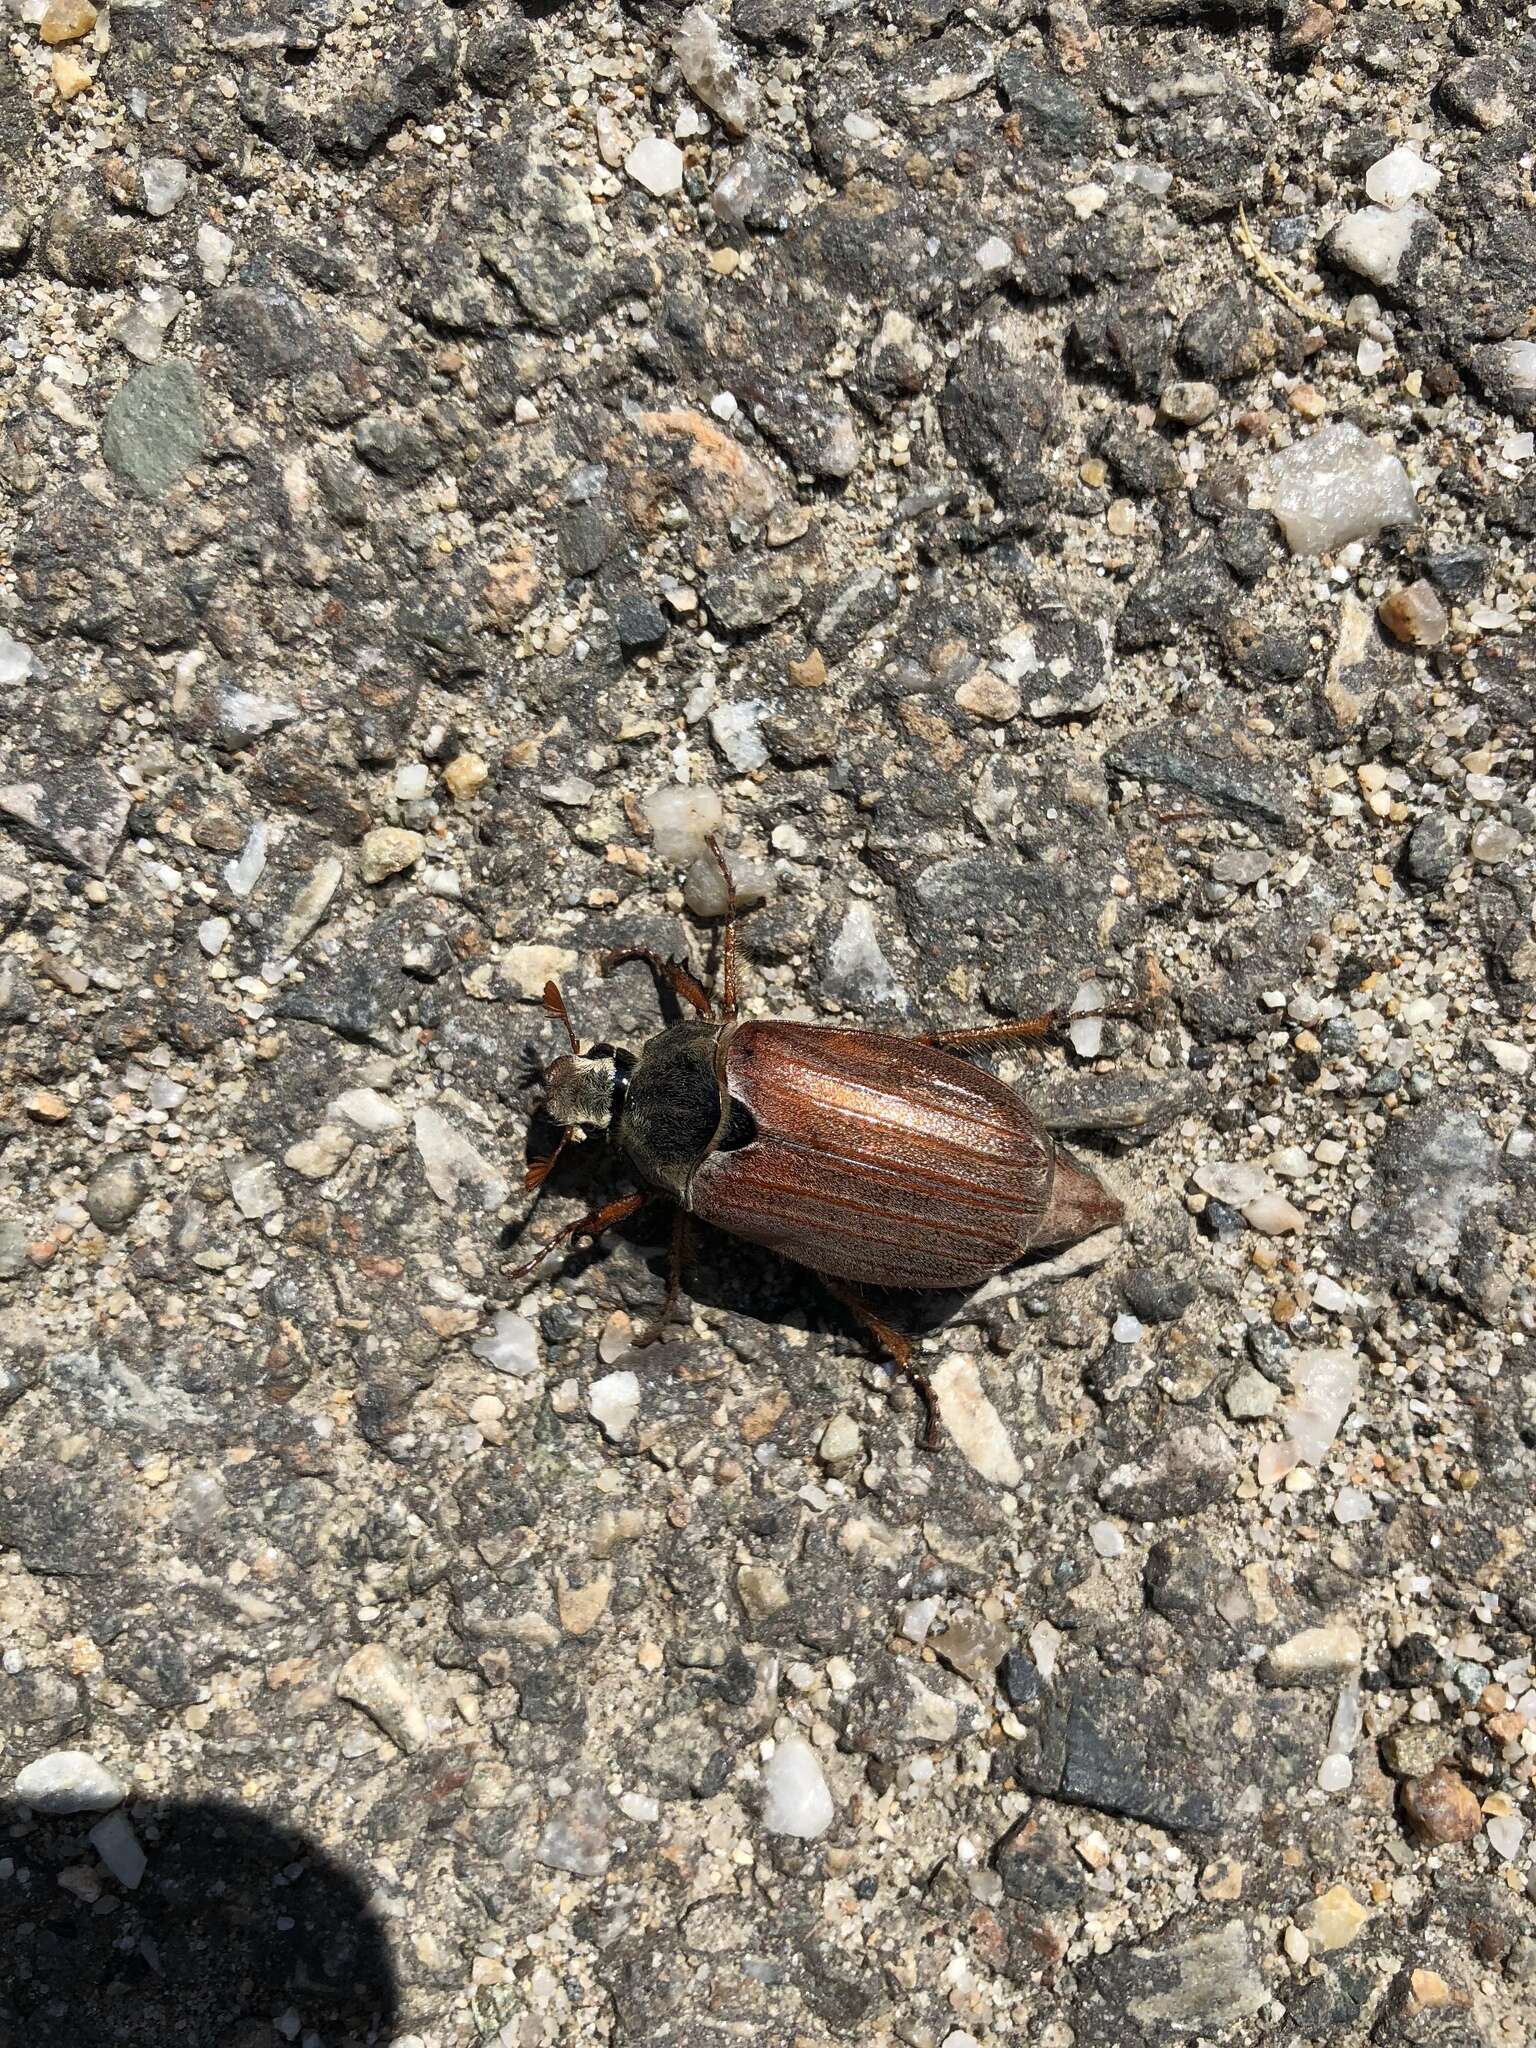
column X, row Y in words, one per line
column 657, row 164
column 1251, row 1397
column 152, row 432
column 715, row 67
column 1338, row 486
column 1335, row 1773
column 528, row 968
column 737, row 732
column 1508, row 1057
column 368, row 1111
column 1334, row 1919
column 1493, row 843
column 465, row 776
column 163, row 181
column 1441, row 1808
column 253, row 1188
column 576, row 1836
column 1188, row 404
column 114, row 1196
column 1505, row 1832
column 989, row 696
column 796, row 1797
column 1107, row 1538
column 1414, row 615
column 1324, row 1384
column 1400, row 175
column 841, row 1440
column 379, row 1681
column 613, row 1402
column 1374, row 241
column 118, row 1847
column 66, row 21
column 1351, row 1504
column 389, row 850
column 317, row 1158
column 1236, row 1184
column 215, row 253
column 511, row 1345
column 68, row 1781
column 242, row 874
column 17, row 662
column 681, row 820
column 1085, row 1032
column 704, row 885
column 453, row 1165
column 1273, row 1216
column 70, row 77
column 974, row 1423
column 1316, row 1656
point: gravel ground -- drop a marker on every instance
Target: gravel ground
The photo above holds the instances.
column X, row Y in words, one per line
column 1055, row 483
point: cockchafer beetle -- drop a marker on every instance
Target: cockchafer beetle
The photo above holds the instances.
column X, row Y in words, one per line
column 874, row 1160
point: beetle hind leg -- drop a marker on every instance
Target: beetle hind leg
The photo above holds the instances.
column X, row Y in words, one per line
column 896, row 1347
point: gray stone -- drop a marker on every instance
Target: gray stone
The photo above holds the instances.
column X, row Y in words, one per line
column 1201, row 1984
column 153, row 431
column 1175, row 1475
column 73, row 815
column 115, row 1193
column 68, row 1781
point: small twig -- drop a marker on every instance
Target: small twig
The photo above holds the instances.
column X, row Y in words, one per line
column 1242, row 234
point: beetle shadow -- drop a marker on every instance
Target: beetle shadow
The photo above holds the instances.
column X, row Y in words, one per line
column 239, row 1929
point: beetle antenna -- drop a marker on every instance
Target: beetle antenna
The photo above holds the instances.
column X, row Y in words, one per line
column 541, row 1169
column 554, row 1002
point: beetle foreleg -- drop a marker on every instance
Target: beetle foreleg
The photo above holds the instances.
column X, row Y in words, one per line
column 587, row 1226
column 672, row 972
column 897, row 1347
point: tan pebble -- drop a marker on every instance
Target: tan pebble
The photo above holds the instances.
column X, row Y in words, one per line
column 70, row 78
column 989, row 696
column 1121, row 518
column 1308, row 401
column 464, row 775
column 1429, row 1992
column 723, row 261
column 1336, row 1918
column 46, row 1107
column 66, row 21
column 1414, row 615
column 389, row 851
column 811, row 672
column 583, row 1607
column 1222, row 1879
column 1095, row 473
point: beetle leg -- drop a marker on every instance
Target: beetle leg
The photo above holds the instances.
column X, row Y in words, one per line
column 1017, row 1027
column 657, row 1329
column 897, row 1347
column 728, row 949
column 587, row 1226
column 672, row 972
column 994, row 1034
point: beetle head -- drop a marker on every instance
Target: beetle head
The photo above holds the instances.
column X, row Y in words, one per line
column 583, row 1091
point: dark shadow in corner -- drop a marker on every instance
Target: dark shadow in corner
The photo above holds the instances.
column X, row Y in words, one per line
column 235, row 1923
